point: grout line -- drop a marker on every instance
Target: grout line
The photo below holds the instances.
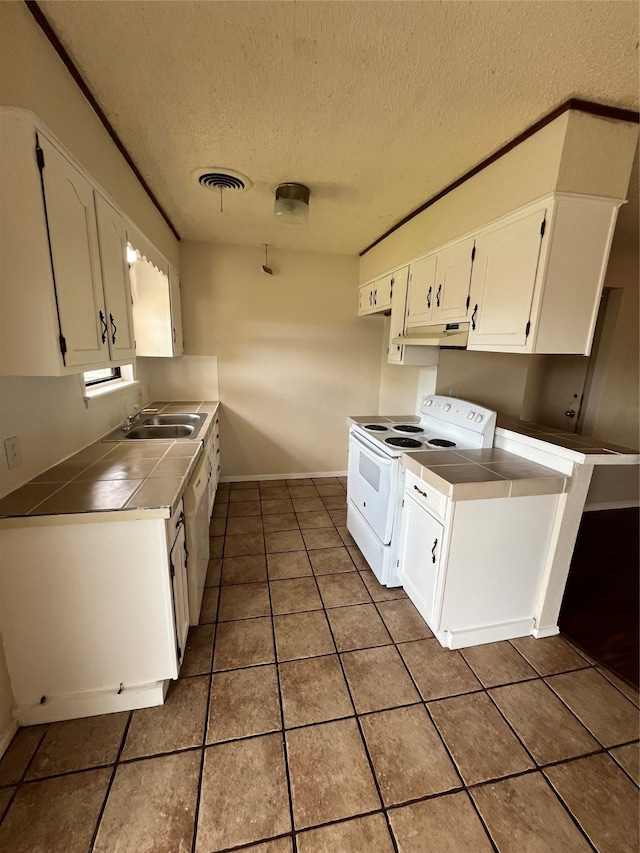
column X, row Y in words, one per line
column 362, row 737
column 285, row 750
column 566, row 808
column 196, row 810
column 111, row 781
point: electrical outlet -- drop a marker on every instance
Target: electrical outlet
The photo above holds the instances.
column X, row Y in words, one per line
column 12, row 450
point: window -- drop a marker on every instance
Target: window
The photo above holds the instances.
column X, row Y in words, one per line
column 105, row 374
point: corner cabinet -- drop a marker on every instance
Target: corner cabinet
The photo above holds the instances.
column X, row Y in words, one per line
column 538, row 276
column 64, row 278
column 93, row 611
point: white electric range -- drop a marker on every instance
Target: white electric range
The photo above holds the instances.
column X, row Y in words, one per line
column 375, row 472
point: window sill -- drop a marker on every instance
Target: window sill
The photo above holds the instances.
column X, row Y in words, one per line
column 107, row 390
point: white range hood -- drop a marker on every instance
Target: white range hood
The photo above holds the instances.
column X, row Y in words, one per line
column 452, row 335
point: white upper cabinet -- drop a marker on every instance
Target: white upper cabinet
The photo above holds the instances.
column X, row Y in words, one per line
column 65, row 298
column 75, row 256
column 401, row 353
column 420, row 293
column 176, row 311
column 155, row 293
column 453, row 279
column 504, row 278
column 439, row 286
column 538, row 276
column 375, row 297
column 112, row 236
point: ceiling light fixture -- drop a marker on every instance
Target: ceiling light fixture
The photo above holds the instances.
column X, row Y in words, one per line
column 292, row 203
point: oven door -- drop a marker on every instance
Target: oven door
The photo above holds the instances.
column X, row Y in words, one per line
column 372, row 485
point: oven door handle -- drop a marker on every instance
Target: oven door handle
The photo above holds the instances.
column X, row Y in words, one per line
column 363, row 444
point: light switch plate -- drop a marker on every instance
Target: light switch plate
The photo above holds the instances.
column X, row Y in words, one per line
column 12, row 450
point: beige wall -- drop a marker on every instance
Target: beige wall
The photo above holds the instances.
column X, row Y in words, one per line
column 294, row 359
column 32, row 76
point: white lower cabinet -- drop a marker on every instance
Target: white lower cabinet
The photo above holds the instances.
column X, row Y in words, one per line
column 178, row 573
column 420, row 555
column 474, row 568
column 93, row 612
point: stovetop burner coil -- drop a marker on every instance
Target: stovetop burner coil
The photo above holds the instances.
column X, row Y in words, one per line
column 408, row 428
column 403, row 442
column 376, row 427
column 442, row 442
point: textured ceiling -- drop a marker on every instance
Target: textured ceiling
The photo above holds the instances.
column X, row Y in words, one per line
column 376, row 106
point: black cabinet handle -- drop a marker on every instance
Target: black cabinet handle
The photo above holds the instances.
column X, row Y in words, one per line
column 420, row 492
column 433, row 551
column 175, row 336
column 105, row 329
column 114, row 329
column 375, row 297
column 473, row 317
column 429, row 298
column 438, row 295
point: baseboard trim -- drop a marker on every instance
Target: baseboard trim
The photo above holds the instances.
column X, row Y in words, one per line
column 258, row 477
column 551, row 631
column 76, row 705
column 461, row 639
column 7, row 736
column 611, row 505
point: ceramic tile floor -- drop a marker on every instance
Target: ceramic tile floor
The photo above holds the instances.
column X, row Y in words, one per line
column 315, row 712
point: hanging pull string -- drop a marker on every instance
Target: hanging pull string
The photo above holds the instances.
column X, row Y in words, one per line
column 221, row 210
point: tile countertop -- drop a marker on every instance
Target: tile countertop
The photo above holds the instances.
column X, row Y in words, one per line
column 481, row 474
column 583, row 449
column 106, row 476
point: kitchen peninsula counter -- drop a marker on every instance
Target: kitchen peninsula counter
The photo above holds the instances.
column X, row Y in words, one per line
column 482, row 474
column 103, row 477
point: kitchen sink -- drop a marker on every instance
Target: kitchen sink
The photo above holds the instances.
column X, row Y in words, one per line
column 169, row 426
column 161, row 431
column 172, row 418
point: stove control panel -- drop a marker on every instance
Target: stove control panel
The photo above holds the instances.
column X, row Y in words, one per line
column 454, row 413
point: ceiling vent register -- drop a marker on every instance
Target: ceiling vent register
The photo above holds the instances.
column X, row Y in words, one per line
column 222, row 179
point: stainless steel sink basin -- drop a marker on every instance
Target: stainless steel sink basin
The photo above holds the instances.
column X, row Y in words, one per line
column 161, row 431
column 169, row 426
column 172, row 418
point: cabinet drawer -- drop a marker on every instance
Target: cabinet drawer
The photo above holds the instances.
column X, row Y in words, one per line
column 175, row 523
column 424, row 495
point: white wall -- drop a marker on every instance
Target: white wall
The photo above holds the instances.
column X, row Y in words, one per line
column 294, row 359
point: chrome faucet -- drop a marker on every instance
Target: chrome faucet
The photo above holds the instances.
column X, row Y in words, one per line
column 130, row 419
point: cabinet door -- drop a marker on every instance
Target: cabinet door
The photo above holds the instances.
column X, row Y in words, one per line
column 421, row 291
column 176, row 311
column 178, row 569
column 365, row 299
column 503, row 282
column 73, row 239
column 453, row 279
column 383, row 292
column 151, row 309
column 112, row 237
column 419, row 564
column 398, row 309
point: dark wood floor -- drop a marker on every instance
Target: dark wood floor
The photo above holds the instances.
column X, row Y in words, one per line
column 600, row 607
